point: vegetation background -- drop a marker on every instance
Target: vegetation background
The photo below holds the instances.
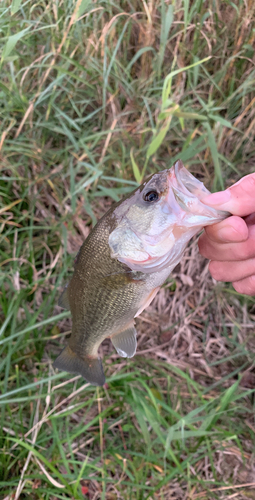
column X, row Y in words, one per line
column 94, row 95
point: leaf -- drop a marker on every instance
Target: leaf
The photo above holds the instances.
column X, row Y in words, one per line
column 181, row 114
column 168, row 80
column 8, row 207
column 218, row 180
column 136, row 171
column 166, row 23
column 15, row 6
column 83, row 7
column 157, row 394
column 224, row 122
column 226, row 399
column 5, row 89
column 195, row 72
column 181, row 120
column 11, row 42
column 32, row 327
column 138, row 54
column 157, row 141
column 190, row 116
column 228, row 396
column 186, row 12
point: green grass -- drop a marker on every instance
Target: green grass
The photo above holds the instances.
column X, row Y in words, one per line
column 93, row 97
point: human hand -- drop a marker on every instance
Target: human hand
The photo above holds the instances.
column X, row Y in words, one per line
column 230, row 244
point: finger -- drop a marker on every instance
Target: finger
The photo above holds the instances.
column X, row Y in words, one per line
column 250, row 219
column 228, row 251
column 233, row 229
column 246, row 286
column 239, row 199
column 232, row 271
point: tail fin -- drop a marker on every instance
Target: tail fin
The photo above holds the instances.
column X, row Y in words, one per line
column 90, row 368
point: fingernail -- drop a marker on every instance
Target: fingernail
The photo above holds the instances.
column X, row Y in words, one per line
column 217, row 198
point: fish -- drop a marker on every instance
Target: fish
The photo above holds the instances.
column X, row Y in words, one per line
column 122, row 264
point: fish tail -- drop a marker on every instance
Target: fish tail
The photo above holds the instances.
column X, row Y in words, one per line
column 90, row 368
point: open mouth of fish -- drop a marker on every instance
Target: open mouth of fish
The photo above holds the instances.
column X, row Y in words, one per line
column 179, row 213
column 189, row 193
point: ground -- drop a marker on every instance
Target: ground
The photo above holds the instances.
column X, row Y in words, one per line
column 94, row 96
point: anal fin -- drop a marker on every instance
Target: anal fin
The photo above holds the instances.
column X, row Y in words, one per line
column 90, row 368
column 125, row 342
column 63, row 299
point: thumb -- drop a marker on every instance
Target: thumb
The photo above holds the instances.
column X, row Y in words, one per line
column 239, row 199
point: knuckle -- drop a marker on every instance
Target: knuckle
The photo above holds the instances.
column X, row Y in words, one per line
column 249, row 183
column 243, row 251
column 246, row 184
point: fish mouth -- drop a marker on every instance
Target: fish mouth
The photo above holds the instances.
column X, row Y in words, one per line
column 185, row 184
column 189, row 193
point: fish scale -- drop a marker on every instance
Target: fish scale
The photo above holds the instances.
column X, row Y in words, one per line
column 126, row 258
column 112, row 292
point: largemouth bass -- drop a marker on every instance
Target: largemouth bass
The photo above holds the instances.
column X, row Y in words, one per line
column 122, row 264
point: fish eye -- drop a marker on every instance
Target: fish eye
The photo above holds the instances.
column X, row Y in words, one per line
column 151, row 196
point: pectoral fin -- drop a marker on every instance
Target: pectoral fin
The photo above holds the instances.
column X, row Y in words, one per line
column 125, row 342
column 147, row 301
column 90, row 368
column 63, row 299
